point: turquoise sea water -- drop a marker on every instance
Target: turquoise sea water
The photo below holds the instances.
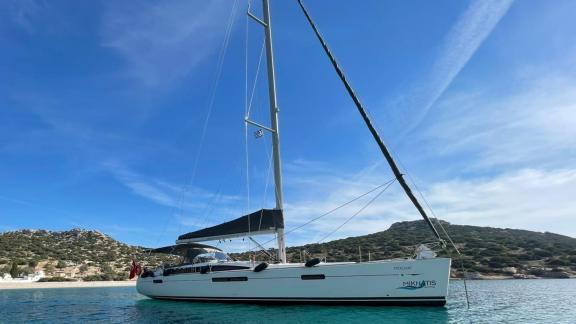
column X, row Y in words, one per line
column 498, row 301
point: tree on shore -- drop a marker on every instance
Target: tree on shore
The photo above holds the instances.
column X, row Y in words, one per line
column 49, row 268
column 14, row 270
column 106, row 269
column 61, row 264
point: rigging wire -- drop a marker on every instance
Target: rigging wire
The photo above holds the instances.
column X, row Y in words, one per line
column 179, row 206
column 359, row 211
column 265, row 195
column 247, row 109
column 460, row 255
column 439, row 223
column 212, row 98
column 246, row 114
column 387, row 183
column 210, row 208
column 268, row 156
column 249, row 105
column 246, row 63
column 221, row 58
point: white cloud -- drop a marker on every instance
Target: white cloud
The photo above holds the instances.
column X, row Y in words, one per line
column 529, row 127
column 163, row 41
column 460, row 44
column 532, row 199
column 539, row 200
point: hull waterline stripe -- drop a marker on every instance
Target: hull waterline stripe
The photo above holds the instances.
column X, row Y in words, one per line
column 309, row 298
column 399, row 301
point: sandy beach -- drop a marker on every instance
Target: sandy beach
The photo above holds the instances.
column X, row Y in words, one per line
column 75, row 284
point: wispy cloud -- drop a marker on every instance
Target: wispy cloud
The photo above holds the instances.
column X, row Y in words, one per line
column 150, row 189
column 49, row 122
column 191, row 205
column 163, row 41
column 460, row 44
column 23, row 12
column 531, row 126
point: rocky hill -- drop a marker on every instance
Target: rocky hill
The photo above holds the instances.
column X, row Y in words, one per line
column 488, row 252
column 77, row 253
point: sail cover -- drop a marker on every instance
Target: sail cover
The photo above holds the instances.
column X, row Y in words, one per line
column 264, row 221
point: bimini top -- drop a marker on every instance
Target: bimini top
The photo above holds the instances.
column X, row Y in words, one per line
column 188, row 251
column 264, row 221
column 182, row 249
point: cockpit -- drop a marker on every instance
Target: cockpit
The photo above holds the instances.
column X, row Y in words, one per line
column 196, row 258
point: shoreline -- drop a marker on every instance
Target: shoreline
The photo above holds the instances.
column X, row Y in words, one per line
column 132, row 283
column 72, row 284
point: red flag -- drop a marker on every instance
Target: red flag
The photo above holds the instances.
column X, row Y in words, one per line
column 133, row 270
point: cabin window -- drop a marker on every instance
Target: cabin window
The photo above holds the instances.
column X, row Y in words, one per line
column 228, row 279
column 313, row 277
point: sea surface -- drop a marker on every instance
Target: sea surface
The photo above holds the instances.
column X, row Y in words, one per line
column 495, row 301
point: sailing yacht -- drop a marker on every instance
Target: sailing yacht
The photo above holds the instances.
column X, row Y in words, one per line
column 208, row 274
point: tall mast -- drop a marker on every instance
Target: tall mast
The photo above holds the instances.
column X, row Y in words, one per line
column 274, row 124
column 397, row 174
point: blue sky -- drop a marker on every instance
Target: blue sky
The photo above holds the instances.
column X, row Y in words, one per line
column 103, row 107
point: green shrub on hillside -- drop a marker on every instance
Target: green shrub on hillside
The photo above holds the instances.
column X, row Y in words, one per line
column 107, row 277
column 55, row 279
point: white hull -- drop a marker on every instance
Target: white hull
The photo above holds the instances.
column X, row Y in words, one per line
column 395, row 282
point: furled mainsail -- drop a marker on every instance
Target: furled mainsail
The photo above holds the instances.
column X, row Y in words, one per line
column 264, row 221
